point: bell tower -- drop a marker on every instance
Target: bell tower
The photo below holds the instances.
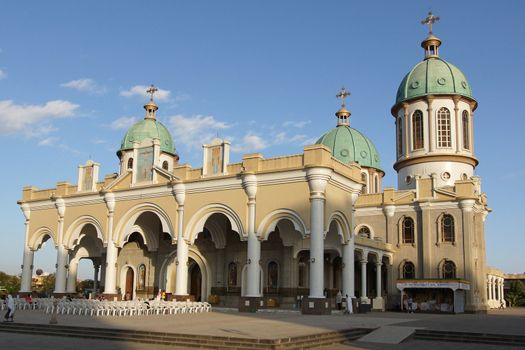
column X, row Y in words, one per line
column 433, row 115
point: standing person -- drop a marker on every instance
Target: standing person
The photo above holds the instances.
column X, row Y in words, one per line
column 338, row 300
column 10, row 308
column 349, row 306
column 405, row 302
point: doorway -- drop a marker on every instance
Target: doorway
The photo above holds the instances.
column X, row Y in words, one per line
column 128, row 294
column 195, row 281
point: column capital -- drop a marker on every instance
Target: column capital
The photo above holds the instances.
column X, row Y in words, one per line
column 26, row 209
column 466, row 205
column 109, row 198
column 317, row 180
column 249, row 184
column 389, row 210
column 60, row 204
column 179, row 191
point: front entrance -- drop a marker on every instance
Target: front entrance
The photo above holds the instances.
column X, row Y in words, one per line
column 195, row 280
column 128, row 295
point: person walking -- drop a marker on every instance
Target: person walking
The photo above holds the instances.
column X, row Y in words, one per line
column 10, row 308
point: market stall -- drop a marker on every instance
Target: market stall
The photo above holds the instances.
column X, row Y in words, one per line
column 433, row 295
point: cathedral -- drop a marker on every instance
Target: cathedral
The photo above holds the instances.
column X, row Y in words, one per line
column 291, row 231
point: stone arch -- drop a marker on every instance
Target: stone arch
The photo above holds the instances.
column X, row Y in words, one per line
column 271, row 221
column 74, row 232
column 217, row 234
column 127, row 223
column 360, row 226
column 343, row 226
column 40, row 236
column 205, row 272
column 122, row 280
column 151, row 241
column 198, row 220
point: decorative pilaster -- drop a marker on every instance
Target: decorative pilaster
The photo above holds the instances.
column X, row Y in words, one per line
column 458, row 124
column 364, row 290
column 27, row 264
column 389, row 211
column 111, row 249
column 466, row 206
column 181, row 281
column 431, row 136
column 61, row 265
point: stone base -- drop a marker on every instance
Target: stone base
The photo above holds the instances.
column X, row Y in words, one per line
column 316, row 306
column 250, row 304
column 112, row 296
column 378, row 304
column 182, row 297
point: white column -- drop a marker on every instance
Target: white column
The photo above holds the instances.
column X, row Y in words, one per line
column 501, row 291
column 111, row 249
column 364, row 261
column 27, row 262
column 378, row 279
column 489, row 284
column 493, row 288
column 61, row 265
column 317, row 180
column 72, row 276
column 96, row 267
column 181, row 280
column 348, row 269
column 253, row 278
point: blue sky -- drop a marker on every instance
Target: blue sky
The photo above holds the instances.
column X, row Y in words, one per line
column 262, row 74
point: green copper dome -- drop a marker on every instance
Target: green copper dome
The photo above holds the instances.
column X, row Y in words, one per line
column 148, row 128
column 433, row 76
column 349, row 145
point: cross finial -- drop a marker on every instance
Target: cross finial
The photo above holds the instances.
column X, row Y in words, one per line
column 152, row 89
column 342, row 95
column 429, row 21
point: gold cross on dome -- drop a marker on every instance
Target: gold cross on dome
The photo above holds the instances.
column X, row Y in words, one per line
column 152, row 89
column 429, row 21
column 342, row 94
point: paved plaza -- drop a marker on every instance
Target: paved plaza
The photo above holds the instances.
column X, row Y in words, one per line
column 272, row 325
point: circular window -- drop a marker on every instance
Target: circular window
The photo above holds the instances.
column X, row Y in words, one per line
column 408, row 179
column 344, row 152
column 415, row 84
column 445, row 175
column 442, row 81
column 363, row 154
column 464, row 84
column 464, row 176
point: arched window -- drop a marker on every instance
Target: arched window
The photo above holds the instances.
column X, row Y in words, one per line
column 165, row 165
column 364, row 231
column 399, row 137
column 447, row 228
column 449, row 269
column 364, row 178
column 417, row 130
column 466, row 130
column 409, row 270
column 141, row 277
column 130, row 163
column 443, row 128
column 408, row 230
column 273, row 275
column 232, row 274
column 376, row 183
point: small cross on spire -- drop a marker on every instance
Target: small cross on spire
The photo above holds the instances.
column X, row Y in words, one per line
column 152, row 89
column 429, row 21
column 342, row 95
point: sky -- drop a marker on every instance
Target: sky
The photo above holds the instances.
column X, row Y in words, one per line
column 263, row 74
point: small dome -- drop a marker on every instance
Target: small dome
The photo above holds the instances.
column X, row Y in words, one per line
column 433, row 76
column 148, row 128
column 349, row 145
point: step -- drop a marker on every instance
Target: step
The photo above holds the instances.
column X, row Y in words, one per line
column 468, row 337
column 187, row 340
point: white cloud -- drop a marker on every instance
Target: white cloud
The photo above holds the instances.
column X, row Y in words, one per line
column 296, row 124
column 193, row 131
column 3, row 74
column 250, row 143
column 140, row 90
column 123, row 122
column 48, row 141
column 85, row 85
column 33, row 120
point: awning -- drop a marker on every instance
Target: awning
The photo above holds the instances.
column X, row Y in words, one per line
column 450, row 284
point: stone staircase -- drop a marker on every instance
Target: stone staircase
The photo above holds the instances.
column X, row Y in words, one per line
column 467, row 337
column 187, row 340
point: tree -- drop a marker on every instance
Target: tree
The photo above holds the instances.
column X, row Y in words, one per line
column 9, row 282
column 516, row 294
